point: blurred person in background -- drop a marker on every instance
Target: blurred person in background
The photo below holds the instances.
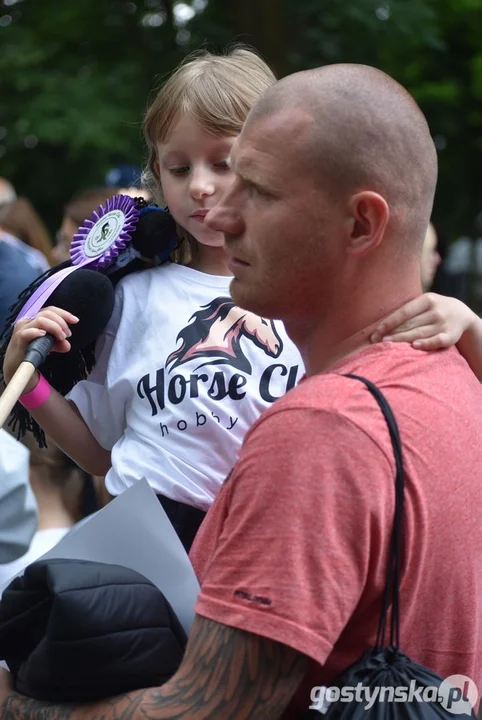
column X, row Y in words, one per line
column 18, row 509
column 20, row 264
column 430, row 258
column 127, row 180
column 76, row 211
column 17, row 270
column 64, row 493
column 19, row 219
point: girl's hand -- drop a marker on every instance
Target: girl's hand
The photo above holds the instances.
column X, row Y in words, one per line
column 429, row 322
column 51, row 320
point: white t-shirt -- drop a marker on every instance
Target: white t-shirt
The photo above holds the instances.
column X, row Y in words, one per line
column 181, row 374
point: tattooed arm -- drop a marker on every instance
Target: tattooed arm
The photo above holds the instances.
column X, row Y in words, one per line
column 226, row 673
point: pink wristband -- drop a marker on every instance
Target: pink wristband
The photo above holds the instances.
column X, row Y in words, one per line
column 37, row 396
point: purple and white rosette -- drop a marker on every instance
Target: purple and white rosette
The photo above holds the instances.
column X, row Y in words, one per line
column 95, row 245
column 108, row 231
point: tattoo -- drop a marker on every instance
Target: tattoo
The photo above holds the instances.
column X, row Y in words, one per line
column 19, row 707
column 226, row 673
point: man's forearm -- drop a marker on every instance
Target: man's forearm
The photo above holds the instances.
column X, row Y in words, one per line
column 150, row 704
column 225, row 673
column 124, row 707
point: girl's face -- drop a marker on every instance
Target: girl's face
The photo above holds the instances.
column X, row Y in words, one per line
column 194, row 174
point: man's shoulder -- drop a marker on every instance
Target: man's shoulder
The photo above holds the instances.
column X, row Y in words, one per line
column 325, row 392
column 313, row 409
column 408, row 379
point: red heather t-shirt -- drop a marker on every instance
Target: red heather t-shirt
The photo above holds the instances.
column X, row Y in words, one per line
column 295, row 546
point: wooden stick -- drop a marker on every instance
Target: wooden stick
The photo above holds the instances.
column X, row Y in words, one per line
column 14, row 389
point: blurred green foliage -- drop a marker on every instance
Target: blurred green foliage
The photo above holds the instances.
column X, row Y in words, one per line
column 75, row 78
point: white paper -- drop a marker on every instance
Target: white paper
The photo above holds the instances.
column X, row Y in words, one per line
column 134, row 531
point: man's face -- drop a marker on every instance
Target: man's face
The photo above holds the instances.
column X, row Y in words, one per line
column 281, row 228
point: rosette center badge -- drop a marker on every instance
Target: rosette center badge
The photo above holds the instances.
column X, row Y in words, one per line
column 103, row 234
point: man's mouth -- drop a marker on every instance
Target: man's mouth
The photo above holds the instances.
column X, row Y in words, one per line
column 235, row 263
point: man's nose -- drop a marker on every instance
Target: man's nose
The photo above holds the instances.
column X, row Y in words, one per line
column 224, row 217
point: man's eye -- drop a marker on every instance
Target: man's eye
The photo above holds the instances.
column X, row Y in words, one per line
column 256, row 190
column 179, row 170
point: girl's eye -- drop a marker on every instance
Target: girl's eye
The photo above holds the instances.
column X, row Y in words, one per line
column 223, row 164
column 179, row 170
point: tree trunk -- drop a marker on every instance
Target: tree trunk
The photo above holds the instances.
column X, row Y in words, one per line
column 263, row 24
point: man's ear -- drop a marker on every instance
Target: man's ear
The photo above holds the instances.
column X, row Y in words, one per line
column 369, row 217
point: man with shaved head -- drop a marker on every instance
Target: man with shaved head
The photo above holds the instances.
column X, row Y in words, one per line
column 345, row 144
column 335, row 174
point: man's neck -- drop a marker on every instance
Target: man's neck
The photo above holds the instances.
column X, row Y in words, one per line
column 323, row 343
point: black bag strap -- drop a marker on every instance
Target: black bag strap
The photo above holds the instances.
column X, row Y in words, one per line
column 391, row 593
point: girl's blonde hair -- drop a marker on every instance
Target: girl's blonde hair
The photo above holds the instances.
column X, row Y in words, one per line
column 217, row 91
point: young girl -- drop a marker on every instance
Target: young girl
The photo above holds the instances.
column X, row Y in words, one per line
column 181, row 372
